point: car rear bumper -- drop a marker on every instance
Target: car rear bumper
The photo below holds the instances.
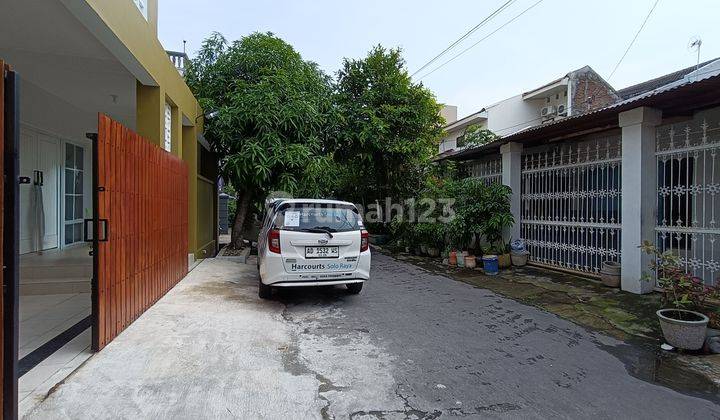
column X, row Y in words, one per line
column 272, row 273
column 308, row 283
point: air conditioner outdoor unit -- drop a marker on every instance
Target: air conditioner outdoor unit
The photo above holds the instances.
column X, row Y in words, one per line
column 562, row 111
column 547, row 111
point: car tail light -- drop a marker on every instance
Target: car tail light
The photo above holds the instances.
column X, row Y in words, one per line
column 274, row 241
column 364, row 240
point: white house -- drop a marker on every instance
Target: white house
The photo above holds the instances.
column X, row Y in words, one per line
column 657, row 145
column 577, row 92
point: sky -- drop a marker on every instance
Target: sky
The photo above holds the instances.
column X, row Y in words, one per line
column 548, row 41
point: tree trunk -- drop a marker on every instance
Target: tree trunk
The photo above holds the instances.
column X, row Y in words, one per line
column 239, row 223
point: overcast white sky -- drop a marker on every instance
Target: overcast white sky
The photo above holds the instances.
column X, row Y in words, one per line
column 547, row 42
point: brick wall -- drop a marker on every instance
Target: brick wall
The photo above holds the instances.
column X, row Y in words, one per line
column 590, row 92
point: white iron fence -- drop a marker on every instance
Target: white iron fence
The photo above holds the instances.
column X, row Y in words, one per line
column 688, row 194
column 571, row 196
column 489, row 171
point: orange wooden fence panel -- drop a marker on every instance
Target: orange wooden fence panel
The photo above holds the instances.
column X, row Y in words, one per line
column 143, row 196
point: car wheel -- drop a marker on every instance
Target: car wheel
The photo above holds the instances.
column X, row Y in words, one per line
column 264, row 291
column 354, row 288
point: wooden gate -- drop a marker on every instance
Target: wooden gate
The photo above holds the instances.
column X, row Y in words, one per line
column 140, row 227
column 9, row 209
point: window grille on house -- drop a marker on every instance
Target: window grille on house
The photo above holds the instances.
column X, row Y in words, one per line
column 167, row 145
column 73, row 194
column 571, row 197
column 488, row 171
column 688, row 193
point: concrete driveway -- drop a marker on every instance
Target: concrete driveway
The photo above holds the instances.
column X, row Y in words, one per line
column 412, row 345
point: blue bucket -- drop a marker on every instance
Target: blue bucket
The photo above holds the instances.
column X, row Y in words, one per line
column 490, row 264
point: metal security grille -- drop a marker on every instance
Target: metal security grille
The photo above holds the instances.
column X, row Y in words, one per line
column 688, row 194
column 489, row 171
column 571, row 196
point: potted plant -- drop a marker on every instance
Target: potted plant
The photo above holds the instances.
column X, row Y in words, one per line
column 436, row 234
column 610, row 273
column 493, row 230
column 683, row 324
column 503, row 253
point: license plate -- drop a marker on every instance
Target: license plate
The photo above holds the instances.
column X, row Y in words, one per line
column 321, row 252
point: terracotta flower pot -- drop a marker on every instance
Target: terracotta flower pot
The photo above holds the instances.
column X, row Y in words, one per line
column 504, row 260
column 452, row 258
column 470, row 261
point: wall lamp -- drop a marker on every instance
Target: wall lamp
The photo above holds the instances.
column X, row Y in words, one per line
column 210, row 115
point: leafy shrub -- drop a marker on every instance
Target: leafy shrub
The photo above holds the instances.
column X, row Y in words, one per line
column 680, row 290
column 476, row 210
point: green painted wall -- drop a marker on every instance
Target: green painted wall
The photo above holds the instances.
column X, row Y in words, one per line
column 139, row 38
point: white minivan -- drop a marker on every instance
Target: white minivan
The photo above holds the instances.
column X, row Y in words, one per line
column 307, row 242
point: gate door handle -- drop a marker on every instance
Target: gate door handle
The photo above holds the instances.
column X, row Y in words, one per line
column 103, row 228
column 87, row 223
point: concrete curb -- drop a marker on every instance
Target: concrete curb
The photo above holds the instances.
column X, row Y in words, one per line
column 242, row 259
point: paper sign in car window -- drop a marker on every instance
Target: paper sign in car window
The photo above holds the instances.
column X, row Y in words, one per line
column 292, row 219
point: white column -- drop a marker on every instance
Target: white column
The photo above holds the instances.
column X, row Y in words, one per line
column 511, row 173
column 639, row 194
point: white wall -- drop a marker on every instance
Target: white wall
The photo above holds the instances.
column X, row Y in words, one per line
column 449, row 142
column 449, row 113
column 513, row 114
column 43, row 110
column 45, row 113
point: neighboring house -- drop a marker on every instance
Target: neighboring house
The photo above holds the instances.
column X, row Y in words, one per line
column 594, row 185
column 74, row 60
column 575, row 93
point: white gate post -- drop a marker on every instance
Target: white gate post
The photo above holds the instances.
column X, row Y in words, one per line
column 511, row 174
column 639, row 194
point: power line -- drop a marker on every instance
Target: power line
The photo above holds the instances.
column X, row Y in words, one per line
column 634, row 38
column 467, row 34
column 482, row 39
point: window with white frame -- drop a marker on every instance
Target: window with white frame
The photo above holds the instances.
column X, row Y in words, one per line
column 74, row 209
column 168, row 128
column 142, row 6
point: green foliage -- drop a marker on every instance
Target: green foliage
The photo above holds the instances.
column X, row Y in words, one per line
column 497, row 210
column 481, row 210
column 453, row 212
column 275, row 110
column 475, row 136
column 388, row 128
column 680, row 289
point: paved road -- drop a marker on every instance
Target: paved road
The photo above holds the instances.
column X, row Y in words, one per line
column 412, row 345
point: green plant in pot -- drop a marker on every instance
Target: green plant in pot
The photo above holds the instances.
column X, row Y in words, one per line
column 499, row 219
column 682, row 318
column 436, row 239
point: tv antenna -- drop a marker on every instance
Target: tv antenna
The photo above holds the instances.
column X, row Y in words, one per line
column 694, row 45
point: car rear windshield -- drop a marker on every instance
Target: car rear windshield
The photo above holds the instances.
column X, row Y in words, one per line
column 318, row 217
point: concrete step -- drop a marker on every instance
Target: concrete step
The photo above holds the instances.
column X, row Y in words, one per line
column 55, row 286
